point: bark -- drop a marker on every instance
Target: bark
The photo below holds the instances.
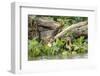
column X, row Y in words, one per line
column 47, row 23
column 42, row 29
column 72, row 27
column 46, row 34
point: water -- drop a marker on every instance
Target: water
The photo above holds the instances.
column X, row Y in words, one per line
column 83, row 56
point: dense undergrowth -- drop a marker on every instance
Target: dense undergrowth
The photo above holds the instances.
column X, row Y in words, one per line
column 59, row 49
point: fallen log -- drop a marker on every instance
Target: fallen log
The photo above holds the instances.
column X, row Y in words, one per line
column 70, row 28
column 47, row 34
column 47, row 23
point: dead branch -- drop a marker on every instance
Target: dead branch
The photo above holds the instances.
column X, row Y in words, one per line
column 80, row 24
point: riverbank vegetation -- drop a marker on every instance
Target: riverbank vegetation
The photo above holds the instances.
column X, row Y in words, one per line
column 57, row 37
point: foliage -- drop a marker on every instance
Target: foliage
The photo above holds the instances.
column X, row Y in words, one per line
column 38, row 50
column 80, row 46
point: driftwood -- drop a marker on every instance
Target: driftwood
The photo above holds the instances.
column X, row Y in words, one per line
column 47, row 23
column 80, row 25
column 47, row 34
column 49, row 30
column 40, row 28
column 81, row 31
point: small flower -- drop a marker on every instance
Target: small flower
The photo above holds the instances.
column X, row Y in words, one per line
column 49, row 44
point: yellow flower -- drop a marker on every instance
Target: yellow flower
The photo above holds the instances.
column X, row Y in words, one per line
column 49, row 44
